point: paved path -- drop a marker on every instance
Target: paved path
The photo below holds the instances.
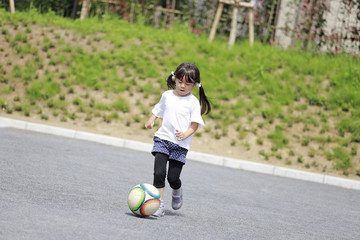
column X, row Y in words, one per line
column 59, row 188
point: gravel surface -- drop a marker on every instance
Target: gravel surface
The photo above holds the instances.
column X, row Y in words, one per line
column 58, row 188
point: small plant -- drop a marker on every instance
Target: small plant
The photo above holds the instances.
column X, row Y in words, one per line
column 47, row 44
column 224, row 132
column 121, row 105
column 19, row 37
column 315, row 164
column 305, row 142
column 247, row 145
column 259, row 141
column 77, row 101
column 4, row 31
column 106, row 118
column 217, row 136
column 18, row 108
column 278, row 138
column 62, row 97
column 312, row 153
column 306, row 128
column 73, row 116
column 114, row 115
column 262, row 153
column 137, row 118
column 242, row 134
column 353, row 151
column 329, row 156
column 342, row 159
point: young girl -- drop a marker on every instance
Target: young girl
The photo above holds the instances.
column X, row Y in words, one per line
column 181, row 116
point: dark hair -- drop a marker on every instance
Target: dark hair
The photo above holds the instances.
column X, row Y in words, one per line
column 192, row 74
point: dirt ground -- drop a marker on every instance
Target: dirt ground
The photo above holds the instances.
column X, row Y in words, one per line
column 202, row 144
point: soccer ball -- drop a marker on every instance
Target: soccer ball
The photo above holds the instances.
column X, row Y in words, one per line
column 144, row 199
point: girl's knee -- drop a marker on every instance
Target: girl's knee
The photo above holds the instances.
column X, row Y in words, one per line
column 174, row 182
column 159, row 174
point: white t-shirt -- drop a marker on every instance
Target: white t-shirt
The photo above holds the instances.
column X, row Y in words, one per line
column 177, row 114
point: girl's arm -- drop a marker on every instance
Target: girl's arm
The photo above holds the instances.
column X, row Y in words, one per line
column 183, row 135
column 150, row 123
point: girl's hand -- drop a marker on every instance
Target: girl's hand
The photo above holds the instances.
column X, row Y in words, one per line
column 149, row 124
column 180, row 135
column 183, row 135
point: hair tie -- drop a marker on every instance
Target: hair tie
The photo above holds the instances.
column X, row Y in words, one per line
column 173, row 75
column 199, row 84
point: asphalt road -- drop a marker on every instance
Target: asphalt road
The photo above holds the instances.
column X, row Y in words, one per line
column 58, row 188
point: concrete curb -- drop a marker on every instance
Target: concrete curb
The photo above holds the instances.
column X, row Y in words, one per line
column 196, row 156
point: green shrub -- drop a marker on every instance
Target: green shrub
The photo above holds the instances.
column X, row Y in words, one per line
column 121, row 105
column 342, row 159
column 278, row 138
column 77, row 101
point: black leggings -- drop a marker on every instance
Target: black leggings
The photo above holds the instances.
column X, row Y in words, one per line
column 174, row 171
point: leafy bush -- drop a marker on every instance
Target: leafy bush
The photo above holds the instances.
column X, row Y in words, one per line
column 121, row 105
column 342, row 159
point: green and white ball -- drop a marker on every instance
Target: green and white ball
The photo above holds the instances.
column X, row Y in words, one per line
column 144, row 199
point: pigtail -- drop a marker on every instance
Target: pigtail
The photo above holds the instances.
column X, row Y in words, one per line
column 204, row 102
column 171, row 81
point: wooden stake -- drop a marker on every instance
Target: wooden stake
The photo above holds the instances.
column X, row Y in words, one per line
column 251, row 26
column 157, row 18
column 233, row 27
column 236, row 5
column 85, row 9
column 173, row 4
column 216, row 21
column 12, row 6
column 132, row 9
column 106, row 8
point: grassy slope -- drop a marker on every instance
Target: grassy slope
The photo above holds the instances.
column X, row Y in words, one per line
column 292, row 107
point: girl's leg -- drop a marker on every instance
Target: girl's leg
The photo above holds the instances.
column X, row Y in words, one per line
column 159, row 179
column 161, row 191
column 174, row 172
column 160, row 172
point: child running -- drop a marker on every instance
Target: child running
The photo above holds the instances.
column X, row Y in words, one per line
column 180, row 112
